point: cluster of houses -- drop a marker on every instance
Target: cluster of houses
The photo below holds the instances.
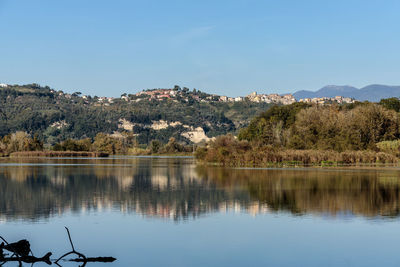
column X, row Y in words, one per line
column 328, row 100
column 86, row 98
column 229, row 99
column 286, row 99
column 164, row 94
column 104, row 99
column 159, row 93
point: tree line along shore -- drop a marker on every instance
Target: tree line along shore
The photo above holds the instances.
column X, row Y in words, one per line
column 307, row 134
column 21, row 144
column 299, row 133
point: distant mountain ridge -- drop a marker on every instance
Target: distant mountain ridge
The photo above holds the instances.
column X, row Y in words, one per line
column 372, row 93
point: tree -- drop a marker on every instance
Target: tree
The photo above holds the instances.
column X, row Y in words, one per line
column 155, row 146
column 173, row 146
column 270, row 127
column 391, row 103
column 20, row 141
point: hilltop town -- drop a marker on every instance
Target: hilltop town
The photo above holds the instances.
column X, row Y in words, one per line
column 184, row 94
column 178, row 94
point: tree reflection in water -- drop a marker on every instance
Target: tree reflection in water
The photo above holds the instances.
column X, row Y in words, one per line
column 177, row 189
column 333, row 191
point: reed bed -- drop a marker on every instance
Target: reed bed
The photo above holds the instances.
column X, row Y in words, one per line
column 244, row 154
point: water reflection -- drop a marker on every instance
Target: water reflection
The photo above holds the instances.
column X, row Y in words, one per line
column 367, row 192
column 177, row 189
column 167, row 188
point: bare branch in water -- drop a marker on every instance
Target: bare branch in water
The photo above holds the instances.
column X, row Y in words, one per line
column 70, row 240
column 20, row 253
column 5, row 241
column 96, row 259
column 29, row 259
column 73, row 251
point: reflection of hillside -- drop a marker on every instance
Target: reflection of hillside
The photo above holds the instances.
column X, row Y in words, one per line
column 153, row 187
column 367, row 193
column 176, row 189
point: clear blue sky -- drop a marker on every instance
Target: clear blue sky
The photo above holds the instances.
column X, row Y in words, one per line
column 225, row 47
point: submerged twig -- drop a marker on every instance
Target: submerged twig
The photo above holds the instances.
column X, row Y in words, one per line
column 95, row 259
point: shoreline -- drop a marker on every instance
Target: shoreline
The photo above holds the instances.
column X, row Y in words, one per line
column 197, row 162
column 88, row 154
column 300, row 166
column 57, row 154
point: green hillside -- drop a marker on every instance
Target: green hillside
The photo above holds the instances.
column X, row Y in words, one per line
column 55, row 116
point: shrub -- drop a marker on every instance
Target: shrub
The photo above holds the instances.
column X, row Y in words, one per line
column 155, row 146
column 391, row 147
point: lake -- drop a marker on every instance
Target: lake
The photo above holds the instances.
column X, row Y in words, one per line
column 170, row 212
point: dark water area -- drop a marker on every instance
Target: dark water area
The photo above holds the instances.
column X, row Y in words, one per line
column 171, row 212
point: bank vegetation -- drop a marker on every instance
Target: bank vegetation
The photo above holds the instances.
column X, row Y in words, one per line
column 312, row 134
column 21, row 144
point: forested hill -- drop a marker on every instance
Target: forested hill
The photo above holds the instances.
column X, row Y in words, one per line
column 54, row 116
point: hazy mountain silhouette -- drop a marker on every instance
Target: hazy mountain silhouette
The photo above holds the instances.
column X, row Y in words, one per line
column 373, row 93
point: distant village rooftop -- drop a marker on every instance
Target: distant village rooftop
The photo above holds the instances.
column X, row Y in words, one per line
column 328, row 100
column 286, row 99
column 177, row 94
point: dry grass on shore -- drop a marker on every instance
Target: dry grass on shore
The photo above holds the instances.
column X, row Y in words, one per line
column 230, row 152
column 293, row 157
column 34, row 154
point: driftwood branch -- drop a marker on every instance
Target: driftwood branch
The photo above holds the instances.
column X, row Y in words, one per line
column 20, row 253
column 29, row 259
column 5, row 241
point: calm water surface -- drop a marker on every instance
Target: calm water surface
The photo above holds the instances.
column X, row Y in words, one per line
column 170, row 212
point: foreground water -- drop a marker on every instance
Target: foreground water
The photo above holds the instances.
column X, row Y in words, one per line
column 170, row 212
